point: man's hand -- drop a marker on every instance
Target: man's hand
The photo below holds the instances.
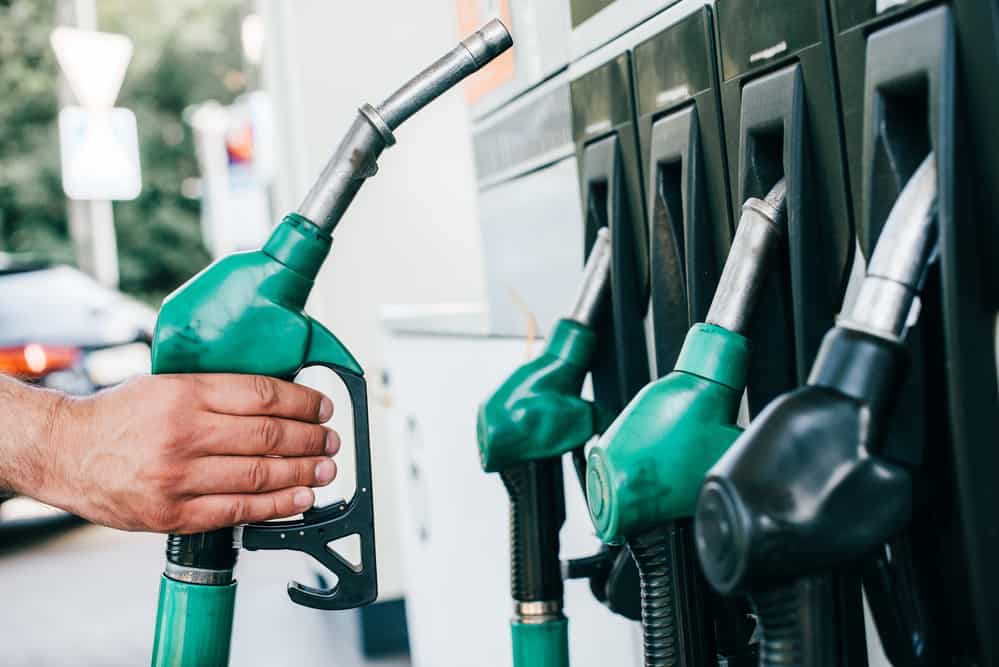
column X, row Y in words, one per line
column 183, row 453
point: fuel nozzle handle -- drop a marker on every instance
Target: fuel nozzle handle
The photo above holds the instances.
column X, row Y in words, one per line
column 761, row 226
column 355, row 159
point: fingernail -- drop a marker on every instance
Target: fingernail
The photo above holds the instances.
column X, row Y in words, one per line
column 325, row 472
column 332, row 443
column 304, row 499
column 325, row 409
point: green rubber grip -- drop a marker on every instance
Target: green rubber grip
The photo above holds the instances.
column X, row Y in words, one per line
column 193, row 624
column 540, row 644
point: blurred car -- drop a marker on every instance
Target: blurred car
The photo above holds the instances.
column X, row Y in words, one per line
column 62, row 330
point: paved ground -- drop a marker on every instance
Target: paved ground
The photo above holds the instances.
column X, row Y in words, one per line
column 87, row 596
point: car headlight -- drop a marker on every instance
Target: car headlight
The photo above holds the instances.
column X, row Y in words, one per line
column 116, row 364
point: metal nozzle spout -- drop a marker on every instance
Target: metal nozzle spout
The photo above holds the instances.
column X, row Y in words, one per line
column 471, row 55
column 761, row 225
column 355, row 159
column 596, row 275
column 487, row 42
column 905, row 248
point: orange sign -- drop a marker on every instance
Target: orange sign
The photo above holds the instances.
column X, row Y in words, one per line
column 471, row 15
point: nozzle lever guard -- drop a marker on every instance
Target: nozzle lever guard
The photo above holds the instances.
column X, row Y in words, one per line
column 357, row 583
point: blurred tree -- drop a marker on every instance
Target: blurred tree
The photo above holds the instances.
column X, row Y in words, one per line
column 186, row 52
column 32, row 208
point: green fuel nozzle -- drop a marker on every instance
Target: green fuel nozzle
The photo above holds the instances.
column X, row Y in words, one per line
column 806, row 488
column 244, row 314
column 644, row 474
column 538, row 413
column 524, row 428
column 648, row 466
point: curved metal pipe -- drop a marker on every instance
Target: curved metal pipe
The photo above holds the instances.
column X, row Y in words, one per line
column 760, row 227
column 907, row 245
column 355, row 159
column 596, row 275
column 471, row 54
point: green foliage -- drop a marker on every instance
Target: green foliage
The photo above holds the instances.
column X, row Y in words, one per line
column 186, row 52
column 32, row 209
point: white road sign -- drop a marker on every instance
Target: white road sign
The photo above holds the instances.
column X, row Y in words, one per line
column 100, row 153
column 94, row 63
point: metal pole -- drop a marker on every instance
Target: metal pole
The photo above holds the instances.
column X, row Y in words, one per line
column 91, row 222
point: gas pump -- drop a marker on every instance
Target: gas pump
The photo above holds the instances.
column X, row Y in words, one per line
column 644, row 473
column 808, row 486
column 524, row 428
column 780, row 105
column 227, row 319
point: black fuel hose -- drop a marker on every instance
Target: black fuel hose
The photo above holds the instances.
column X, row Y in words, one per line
column 797, row 623
column 677, row 623
column 651, row 552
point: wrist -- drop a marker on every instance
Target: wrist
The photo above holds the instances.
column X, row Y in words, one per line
column 31, row 437
column 51, row 443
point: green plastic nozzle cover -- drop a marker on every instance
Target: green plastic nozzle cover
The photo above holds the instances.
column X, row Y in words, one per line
column 648, row 466
column 538, row 413
column 244, row 313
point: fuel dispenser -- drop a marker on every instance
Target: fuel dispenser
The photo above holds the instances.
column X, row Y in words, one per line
column 644, row 473
column 686, row 184
column 917, row 77
column 226, row 319
column 611, row 193
column 611, row 188
column 524, row 428
column 690, row 231
column 780, row 108
column 810, row 484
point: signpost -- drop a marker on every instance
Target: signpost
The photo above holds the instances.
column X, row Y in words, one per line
column 99, row 143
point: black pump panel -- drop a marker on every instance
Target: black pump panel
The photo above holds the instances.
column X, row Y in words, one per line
column 779, row 103
column 910, row 84
column 976, row 25
column 686, row 184
column 607, row 152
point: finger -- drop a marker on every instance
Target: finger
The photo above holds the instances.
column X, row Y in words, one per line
column 261, row 395
column 255, row 474
column 206, row 513
column 264, row 436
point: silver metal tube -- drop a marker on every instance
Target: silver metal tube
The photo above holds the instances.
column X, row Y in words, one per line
column 760, row 227
column 353, row 162
column 471, row 54
column 356, row 157
column 596, row 275
column 889, row 293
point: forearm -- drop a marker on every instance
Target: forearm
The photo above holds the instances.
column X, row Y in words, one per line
column 27, row 427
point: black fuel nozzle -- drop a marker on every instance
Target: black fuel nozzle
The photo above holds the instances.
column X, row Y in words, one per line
column 804, row 489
